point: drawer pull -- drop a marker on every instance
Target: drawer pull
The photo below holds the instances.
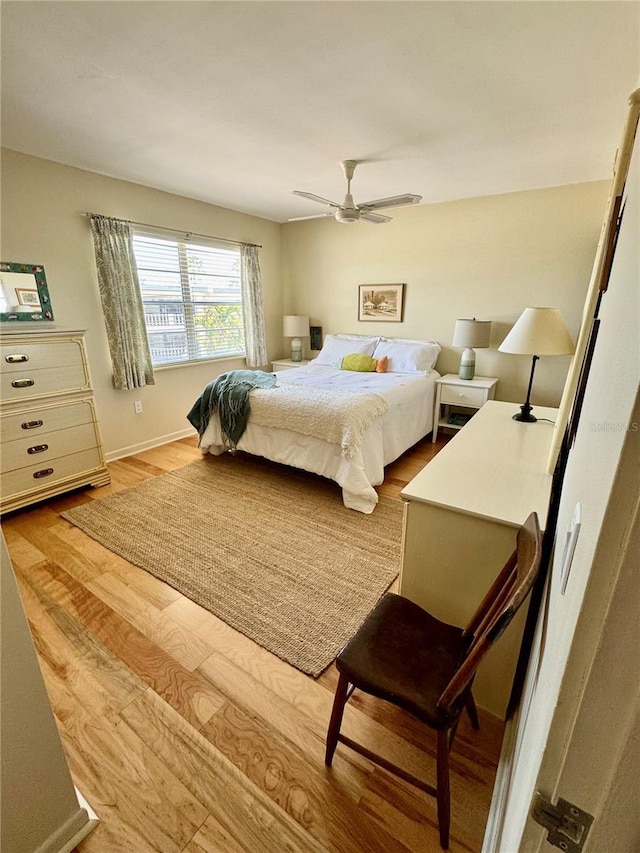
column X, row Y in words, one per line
column 22, row 383
column 38, row 448
column 32, row 424
column 46, row 472
column 15, row 359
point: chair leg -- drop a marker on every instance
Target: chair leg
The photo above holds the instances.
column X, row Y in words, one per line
column 443, row 797
column 339, row 702
column 472, row 711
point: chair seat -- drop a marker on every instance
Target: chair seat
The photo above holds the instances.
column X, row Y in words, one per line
column 406, row 656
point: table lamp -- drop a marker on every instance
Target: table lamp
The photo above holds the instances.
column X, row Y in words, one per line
column 538, row 331
column 295, row 326
column 471, row 334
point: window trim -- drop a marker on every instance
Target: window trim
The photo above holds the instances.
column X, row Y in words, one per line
column 194, row 362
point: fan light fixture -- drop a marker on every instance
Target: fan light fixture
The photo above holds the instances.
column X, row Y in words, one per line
column 295, row 326
column 538, row 331
column 347, row 215
column 471, row 334
column 348, row 211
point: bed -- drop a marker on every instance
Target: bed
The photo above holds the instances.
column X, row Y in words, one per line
column 344, row 424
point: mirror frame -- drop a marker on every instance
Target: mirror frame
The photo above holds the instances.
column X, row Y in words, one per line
column 36, row 270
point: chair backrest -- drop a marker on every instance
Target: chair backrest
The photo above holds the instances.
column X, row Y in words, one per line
column 499, row 606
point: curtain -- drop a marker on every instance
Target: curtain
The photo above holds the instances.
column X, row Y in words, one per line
column 121, row 303
column 252, row 307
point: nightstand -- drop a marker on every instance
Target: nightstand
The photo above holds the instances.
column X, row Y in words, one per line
column 463, row 394
column 287, row 364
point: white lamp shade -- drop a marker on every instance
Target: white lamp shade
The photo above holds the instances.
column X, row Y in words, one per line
column 295, row 326
column 539, row 331
column 472, row 333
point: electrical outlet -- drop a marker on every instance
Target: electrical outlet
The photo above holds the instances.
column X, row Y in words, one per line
column 137, row 407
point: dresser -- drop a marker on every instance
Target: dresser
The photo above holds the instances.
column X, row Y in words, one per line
column 461, row 515
column 50, row 439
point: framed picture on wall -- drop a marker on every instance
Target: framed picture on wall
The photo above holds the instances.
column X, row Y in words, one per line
column 315, row 333
column 381, row 303
column 27, row 296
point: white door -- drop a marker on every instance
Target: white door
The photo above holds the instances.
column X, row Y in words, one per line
column 576, row 734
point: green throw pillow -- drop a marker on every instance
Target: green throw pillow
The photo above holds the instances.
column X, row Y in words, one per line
column 360, row 362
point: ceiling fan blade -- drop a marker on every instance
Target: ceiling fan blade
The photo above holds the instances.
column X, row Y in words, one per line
column 392, row 201
column 313, row 197
column 314, row 216
column 374, row 217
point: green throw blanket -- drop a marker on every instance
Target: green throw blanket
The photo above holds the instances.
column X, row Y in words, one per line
column 229, row 396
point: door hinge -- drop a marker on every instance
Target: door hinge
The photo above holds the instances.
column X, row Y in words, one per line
column 568, row 825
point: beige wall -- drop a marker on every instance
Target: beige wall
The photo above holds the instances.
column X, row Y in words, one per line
column 42, row 223
column 486, row 257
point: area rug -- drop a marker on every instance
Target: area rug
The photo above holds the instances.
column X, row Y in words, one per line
column 270, row 550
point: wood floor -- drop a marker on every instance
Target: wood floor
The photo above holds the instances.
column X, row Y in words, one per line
column 184, row 735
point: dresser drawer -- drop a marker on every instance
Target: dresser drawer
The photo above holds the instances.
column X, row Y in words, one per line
column 454, row 395
column 28, row 385
column 18, row 356
column 38, row 450
column 42, row 475
column 40, row 420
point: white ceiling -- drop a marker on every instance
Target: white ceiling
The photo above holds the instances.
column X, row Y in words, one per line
column 239, row 103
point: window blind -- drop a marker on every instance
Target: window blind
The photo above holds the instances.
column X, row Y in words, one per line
column 191, row 295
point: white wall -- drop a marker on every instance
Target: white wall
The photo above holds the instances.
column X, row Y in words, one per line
column 486, row 257
column 42, row 223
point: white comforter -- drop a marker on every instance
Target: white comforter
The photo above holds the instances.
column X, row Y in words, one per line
column 404, row 414
column 339, row 417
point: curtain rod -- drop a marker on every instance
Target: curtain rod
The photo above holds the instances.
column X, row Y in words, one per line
column 177, row 230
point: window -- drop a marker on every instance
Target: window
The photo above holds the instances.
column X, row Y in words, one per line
column 191, row 297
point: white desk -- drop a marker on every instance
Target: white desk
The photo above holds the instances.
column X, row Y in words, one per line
column 460, row 519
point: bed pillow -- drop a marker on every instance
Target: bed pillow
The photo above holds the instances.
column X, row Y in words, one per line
column 405, row 356
column 337, row 346
column 363, row 363
column 352, row 337
column 382, row 364
column 409, row 340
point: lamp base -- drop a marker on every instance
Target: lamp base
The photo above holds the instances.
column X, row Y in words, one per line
column 467, row 368
column 296, row 349
column 525, row 416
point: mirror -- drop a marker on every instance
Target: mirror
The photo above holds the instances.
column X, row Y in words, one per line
column 24, row 294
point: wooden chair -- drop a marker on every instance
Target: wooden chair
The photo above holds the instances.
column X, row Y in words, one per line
column 407, row 657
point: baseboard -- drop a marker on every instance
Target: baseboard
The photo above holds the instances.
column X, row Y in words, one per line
column 72, row 831
column 501, row 787
column 132, row 449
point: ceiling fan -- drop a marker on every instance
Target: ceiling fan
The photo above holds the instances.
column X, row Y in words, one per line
column 350, row 212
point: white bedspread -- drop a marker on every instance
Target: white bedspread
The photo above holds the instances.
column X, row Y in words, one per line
column 404, row 418
column 339, row 417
